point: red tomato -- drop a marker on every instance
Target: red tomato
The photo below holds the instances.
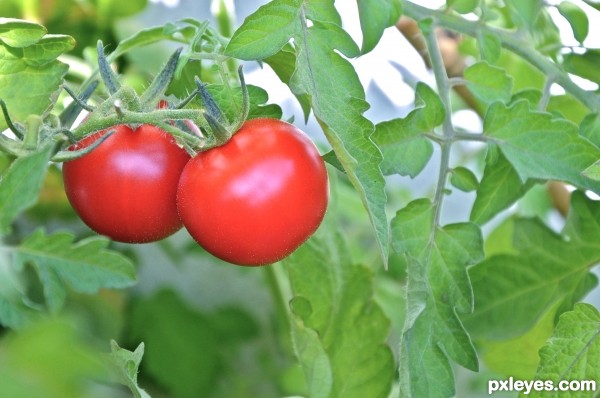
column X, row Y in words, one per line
column 126, row 188
column 255, row 199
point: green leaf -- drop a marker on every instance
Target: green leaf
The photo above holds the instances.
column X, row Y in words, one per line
column 85, row 266
column 424, row 368
column 590, row 128
column 144, row 37
column 112, row 9
column 438, row 289
column 230, row 101
column 339, row 332
column 330, row 158
column 126, row 366
column 568, row 107
column 573, row 351
column 512, row 291
column 539, row 146
column 405, row 150
column 338, row 38
column 338, row 102
column 532, row 96
column 592, row 172
column 375, row 17
column 490, row 46
column 284, row 65
column 184, row 347
column 266, row 31
column 489, row 83
column 20, row 186
column 584, row 65
column 50, row 359
column 526, row 11
column 464, row 179
column 20, row 33
column 593, row 3
column 15, row 315
column 29, row 89
column 47, row 49
column 323, row 11
column 577, row 18
column 463, row 6
column 518, row 357
column 313, row 359
column 499, row 188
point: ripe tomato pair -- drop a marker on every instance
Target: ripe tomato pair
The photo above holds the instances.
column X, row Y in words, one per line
column 251, row 201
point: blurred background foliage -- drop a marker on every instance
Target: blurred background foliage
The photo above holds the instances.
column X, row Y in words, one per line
column 86, row 20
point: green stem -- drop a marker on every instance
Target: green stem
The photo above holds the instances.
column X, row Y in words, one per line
column 509, row 41
column 33, row 123
column 210, row 57
column 546, row 94
column 9, row 123
column 460, row 136
column 443, row 85
column 156, row 118
column 275, row 282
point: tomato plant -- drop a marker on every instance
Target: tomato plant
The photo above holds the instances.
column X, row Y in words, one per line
column 125, row 188
column 256, row 198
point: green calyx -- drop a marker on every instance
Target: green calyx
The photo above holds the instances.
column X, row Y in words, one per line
column 125, row 106
column 221, row 129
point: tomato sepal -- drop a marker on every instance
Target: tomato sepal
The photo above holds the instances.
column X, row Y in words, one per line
column 243, row 116
column 209, row 102
column 65, row 156
column 111, row 82
column 153, row 94
column 68, row 116
column 220, row 133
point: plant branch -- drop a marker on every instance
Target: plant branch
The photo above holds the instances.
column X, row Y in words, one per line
column 546, row 94
column 460, row 136
column 279, row 287
column 509, row 41
column 156, row 118
column 443, row 85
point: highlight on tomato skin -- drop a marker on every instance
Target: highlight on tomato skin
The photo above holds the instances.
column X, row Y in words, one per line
column 126, row 187
column 258, row 197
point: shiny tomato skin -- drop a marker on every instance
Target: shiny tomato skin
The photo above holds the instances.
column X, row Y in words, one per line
column 257, row 198
column 126, row 187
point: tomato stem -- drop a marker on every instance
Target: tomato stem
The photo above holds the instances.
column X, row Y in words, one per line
column 67, row 133
column 187, row 99
column 15, row 129
column 33, row 123
column 281, row 294
column 117, row 104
